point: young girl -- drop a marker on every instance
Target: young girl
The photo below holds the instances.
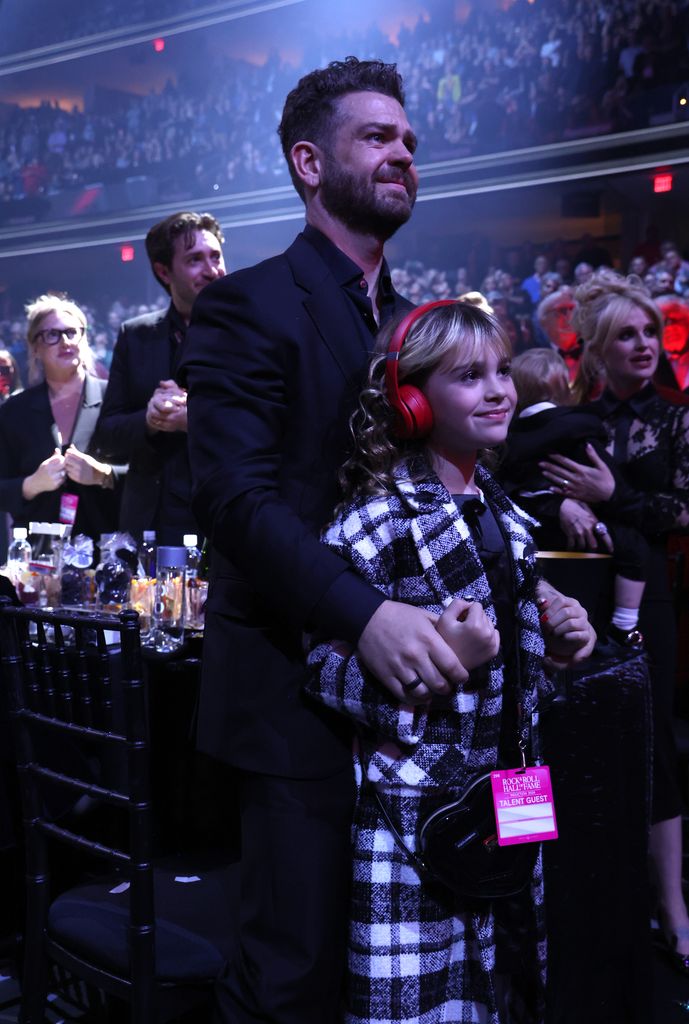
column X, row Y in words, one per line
column 427, row 524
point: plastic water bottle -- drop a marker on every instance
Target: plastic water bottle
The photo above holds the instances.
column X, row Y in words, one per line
column 147, row 554
column 18, row 554
column 193, row 616
column 190, row 541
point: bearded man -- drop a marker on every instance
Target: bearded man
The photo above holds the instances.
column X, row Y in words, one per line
column 275, row 357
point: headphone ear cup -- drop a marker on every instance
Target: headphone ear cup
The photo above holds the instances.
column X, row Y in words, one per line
column 416, row 415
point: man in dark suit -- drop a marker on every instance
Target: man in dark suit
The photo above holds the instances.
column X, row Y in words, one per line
column 274, row 360
column 144, row 416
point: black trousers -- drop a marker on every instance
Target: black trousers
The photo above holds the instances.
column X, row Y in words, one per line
column 294, row 897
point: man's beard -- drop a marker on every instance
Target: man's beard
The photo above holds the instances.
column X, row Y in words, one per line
column 355, row 202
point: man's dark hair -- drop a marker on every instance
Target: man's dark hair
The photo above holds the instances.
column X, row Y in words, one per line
column 160, row 240
column 310, row 111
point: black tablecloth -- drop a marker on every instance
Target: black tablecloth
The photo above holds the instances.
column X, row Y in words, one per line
column 597, row 741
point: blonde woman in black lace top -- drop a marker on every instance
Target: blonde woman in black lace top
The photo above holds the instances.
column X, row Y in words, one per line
column 648, row 435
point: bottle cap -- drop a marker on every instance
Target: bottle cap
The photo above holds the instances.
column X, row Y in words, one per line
column 150, row 536
column 20, row 533
column 189, row 540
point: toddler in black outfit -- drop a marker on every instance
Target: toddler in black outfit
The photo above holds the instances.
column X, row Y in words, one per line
column 547, row 423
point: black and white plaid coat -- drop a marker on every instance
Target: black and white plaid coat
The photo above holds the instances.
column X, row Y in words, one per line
column 415, row 956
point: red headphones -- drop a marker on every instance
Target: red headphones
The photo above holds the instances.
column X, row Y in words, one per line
column 414, row 414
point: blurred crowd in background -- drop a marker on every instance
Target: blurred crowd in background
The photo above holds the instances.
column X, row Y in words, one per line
column 73, row 20
column 514, row 291
column 530, row 74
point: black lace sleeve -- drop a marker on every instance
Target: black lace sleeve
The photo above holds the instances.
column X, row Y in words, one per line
column 654, row 491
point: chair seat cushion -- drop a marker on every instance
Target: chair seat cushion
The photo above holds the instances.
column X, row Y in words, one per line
column 194, row 923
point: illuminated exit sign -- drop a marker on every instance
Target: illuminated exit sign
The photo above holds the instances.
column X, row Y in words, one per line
column 662, row 183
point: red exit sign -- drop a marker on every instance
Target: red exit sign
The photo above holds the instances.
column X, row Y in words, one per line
column 662, row 183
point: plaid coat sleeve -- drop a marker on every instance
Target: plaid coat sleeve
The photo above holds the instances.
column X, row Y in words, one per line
column 371, row 537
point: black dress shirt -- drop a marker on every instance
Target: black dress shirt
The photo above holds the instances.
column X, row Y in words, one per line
column 351, row 279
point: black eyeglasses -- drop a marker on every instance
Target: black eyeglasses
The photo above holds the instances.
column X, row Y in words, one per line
column 52, row 335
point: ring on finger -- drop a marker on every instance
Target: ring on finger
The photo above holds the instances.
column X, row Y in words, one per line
column 601, row 529
column 564, row 483
column 413, row 685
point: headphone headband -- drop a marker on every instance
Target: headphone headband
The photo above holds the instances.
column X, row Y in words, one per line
column 414, row 414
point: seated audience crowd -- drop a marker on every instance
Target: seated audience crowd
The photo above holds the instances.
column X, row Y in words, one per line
column 514, row 299
column 73, row 21
column 515, row 76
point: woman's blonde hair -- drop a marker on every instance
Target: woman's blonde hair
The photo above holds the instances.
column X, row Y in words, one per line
column 602, row 306
column 36, row 313
column 540, row 375
column 438, row 337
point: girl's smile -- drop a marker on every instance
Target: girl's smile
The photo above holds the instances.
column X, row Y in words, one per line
column 472, row 405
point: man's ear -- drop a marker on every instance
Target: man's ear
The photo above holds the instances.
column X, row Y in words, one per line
column 308, row 160
column 162, row 272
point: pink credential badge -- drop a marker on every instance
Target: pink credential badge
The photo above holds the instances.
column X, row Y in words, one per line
column 68, row 508
column 524, row 807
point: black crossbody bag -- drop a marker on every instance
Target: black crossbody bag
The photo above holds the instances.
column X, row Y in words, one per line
column 458, row 846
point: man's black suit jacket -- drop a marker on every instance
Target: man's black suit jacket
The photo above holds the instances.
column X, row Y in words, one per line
column 141, row 359
column 27, row 439
column 274, row 359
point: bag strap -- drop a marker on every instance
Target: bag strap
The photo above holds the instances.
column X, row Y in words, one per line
column 525, row 706
column 413, row 858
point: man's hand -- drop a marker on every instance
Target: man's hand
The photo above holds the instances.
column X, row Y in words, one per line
column 167, row 408
column 84, row 469
column 569, row 636
column 400, row 644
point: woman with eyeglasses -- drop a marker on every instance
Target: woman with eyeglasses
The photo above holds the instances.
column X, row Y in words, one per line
column 46, row 456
